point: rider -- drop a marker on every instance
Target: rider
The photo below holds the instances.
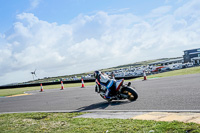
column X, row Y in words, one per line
column 110, row 84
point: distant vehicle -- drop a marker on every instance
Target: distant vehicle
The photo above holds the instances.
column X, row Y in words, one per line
column 190, row 64
column 120, row 74
column 138, row 72
column 164, row 69
column 130, row 74
column 108, row 73
column 176, row 66
column 56, row 80
column 86, row 77
column 157, row 69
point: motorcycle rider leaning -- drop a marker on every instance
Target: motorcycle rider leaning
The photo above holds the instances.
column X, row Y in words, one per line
column 110, row 84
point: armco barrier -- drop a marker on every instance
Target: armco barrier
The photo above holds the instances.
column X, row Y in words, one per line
column 58, row 82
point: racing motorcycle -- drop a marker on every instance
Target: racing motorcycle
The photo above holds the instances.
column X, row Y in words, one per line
column 122, row 91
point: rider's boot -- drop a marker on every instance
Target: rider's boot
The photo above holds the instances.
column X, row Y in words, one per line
column 106, row 96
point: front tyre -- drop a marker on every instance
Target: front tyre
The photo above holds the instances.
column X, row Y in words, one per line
column 132, row 94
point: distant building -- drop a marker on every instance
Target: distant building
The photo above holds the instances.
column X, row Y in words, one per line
column 166, row 62
column 192, row 55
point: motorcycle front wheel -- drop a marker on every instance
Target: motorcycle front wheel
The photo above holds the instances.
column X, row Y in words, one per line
column 132, row 94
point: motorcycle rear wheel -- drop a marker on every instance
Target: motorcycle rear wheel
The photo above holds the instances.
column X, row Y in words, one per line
column 132, row 94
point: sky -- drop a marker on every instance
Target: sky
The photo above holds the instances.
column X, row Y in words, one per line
column 73, row 36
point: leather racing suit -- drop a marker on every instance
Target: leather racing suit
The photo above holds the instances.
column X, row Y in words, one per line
column 104, row 80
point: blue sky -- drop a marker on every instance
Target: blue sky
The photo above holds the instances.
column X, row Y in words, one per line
column 63, row 11
column 72, row 36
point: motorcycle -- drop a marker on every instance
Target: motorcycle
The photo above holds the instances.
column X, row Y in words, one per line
column 122, row 91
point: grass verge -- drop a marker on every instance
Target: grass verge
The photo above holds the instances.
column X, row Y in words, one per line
column 64, row 122
column 15, row 91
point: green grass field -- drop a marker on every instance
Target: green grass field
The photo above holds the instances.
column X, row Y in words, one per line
column 14, row 91
column 64, row 122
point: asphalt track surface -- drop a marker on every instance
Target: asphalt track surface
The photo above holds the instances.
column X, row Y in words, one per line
column 177, row 93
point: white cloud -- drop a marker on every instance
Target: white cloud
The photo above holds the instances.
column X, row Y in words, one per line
column 34, row 4
column 92, row 42
column 191, row 9
column 159, row 11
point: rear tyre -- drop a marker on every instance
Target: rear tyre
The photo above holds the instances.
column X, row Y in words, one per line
column 132, row 94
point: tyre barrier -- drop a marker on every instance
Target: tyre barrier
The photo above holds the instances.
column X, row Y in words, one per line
column 58, row 82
